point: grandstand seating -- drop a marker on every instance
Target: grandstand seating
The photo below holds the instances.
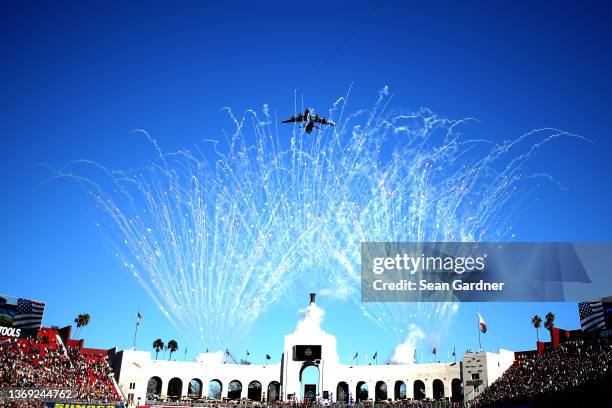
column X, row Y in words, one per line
column 577, row 372
column 44, row 362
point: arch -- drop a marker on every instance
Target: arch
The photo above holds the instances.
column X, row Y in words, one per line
column 309, row 381
column 400, row 390
column 215, row 389
column 194, row 390
column 380, row 394
column 254, row 391
column 234, row 390
column 456, row 390
column 154, row 386
column 438, row 389
column 175, row 387
column 361, row 392
column 273, row 391
column 342, row 392
column 419, row 390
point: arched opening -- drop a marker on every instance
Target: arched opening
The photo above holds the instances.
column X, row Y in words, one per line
column 438, row 389
column 309, row 381
column 419, row 390
column 234, row 390
column 381, row 391
column 214, row 389
column 342, row 392
column 195, row 388
column 273, row 391
column 362, row 391
column 154, row 387
column 457, row 390
column 175, row 388
column 254, row 391
column 400, row 391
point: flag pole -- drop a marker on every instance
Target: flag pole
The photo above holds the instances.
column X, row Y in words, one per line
column 136, row 328
column 478, row 327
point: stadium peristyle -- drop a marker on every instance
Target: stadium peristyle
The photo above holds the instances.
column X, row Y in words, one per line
column 307, row 348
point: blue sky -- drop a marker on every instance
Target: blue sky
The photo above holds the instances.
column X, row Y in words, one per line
column 78, row 78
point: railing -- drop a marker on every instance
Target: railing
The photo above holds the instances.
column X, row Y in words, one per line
column 118, row 390
column 474, row 393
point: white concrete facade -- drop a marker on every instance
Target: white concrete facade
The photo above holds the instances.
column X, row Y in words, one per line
column 481, row 369
column 135, row 369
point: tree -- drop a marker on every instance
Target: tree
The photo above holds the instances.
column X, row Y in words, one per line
column 550, row 322
column 78, row 320
column 172, row 347
column 537, row 322
column 81, row 321
column 158, row 345
column 86, row 319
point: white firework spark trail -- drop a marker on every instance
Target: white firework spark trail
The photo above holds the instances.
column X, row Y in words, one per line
column 217, row 236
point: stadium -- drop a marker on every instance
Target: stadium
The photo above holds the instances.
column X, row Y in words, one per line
column 346, row 204
column 573, row 369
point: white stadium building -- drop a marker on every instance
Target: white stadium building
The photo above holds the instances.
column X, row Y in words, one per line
column 141, row 377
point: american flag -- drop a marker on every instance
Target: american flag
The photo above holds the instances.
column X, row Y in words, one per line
column 29, row 314
column 591, row 315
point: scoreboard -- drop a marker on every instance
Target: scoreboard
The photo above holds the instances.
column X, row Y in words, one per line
column 306, row 352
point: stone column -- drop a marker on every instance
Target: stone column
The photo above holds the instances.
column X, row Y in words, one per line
column 185, row 386
column 428, row 388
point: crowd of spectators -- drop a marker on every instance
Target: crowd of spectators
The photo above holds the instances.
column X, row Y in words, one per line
column 45, row 363
column 570, row 367
column 370, row 404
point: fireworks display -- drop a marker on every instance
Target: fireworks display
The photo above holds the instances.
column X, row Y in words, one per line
column 218, row 233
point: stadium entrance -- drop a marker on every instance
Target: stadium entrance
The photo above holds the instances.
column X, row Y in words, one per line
column 309, row 380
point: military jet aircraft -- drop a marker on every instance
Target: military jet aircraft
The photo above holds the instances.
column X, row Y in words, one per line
column 310, row 120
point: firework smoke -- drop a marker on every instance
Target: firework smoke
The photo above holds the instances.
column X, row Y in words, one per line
column 219, row 233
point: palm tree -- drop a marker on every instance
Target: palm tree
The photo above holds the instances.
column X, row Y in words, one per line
column 172, row 346
column 81, row 321
column 158, row 345
column 85, row 322
column 78, row 320
column 550, row 323
column 537, row 322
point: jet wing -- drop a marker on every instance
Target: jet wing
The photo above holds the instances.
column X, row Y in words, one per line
column 324, row 121
column 298, row 118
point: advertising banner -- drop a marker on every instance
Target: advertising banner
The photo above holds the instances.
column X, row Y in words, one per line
column 80, row 405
